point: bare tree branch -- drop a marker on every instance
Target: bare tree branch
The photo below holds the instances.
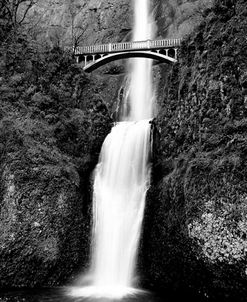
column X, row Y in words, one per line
column 13, row 10
column 29, row 6
column 74, row 11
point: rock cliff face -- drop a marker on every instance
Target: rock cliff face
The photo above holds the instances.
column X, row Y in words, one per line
column 96, row 21
column 195, row 226
column 50, row 138
column 107, row 21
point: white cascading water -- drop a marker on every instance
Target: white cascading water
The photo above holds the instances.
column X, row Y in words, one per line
column 141, row 90
column 121, row 182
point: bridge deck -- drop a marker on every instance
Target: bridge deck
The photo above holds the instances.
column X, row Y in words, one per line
column 127, row 46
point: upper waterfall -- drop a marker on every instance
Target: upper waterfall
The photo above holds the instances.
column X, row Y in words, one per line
column 140, row 90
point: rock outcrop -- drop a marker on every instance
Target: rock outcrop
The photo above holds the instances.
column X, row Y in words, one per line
column 50, row 139
column 195, row 226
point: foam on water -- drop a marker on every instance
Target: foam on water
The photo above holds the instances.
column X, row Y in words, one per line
column 105, row 292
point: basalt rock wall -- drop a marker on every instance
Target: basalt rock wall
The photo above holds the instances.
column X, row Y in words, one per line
column 50, row 139
column 194, row 237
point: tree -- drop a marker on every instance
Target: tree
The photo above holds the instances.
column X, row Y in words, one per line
column 4, row 23
column 77, row 28
column 14, row 12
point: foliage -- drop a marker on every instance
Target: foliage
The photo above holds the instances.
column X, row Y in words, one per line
column 45, row 84
column 13, row 14
column 204, row 100
column 77, row 28
column 50, row 139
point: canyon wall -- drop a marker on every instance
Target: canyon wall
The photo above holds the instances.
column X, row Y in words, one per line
column 194, row 236
column 50, row 138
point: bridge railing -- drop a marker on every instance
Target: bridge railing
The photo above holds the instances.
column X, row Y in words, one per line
column 126, row 46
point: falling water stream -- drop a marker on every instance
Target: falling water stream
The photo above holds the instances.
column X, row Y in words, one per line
column 121, row 181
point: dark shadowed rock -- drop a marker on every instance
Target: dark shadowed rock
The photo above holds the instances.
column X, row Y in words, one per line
column 194, row 235
column 50, row 141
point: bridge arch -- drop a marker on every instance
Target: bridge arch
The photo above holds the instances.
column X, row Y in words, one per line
column 125, row 55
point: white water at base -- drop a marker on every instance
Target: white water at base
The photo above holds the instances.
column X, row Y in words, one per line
column 112, row 292
column 121, row 181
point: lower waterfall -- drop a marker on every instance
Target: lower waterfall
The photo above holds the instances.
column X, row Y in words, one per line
column 121, row 182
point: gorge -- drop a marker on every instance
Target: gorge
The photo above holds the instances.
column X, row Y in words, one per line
column 54, row 119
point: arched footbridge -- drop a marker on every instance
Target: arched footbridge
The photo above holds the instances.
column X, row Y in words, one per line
column 95, row 56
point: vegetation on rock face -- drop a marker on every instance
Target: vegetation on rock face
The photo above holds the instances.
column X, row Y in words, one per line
column 176, row 18
column 195, row 227
column 50, row 138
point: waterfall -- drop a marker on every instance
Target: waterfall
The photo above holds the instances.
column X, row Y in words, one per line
column 141, row 91
column 121, row 181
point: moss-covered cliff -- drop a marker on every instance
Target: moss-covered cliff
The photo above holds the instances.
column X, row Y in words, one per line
column 50, row 138
column 194, row 235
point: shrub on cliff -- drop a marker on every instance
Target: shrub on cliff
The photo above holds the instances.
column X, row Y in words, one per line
column 45, row 83
column 50, row 138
